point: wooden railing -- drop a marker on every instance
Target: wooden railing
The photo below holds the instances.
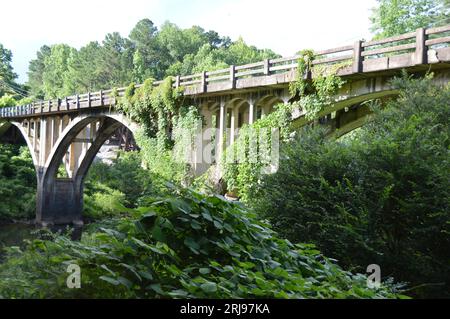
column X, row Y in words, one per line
column 404, row 50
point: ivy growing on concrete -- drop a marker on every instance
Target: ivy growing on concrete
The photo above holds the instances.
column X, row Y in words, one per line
column 315, row 85
column 250, row 156
column 161, row 113
column 312, row 91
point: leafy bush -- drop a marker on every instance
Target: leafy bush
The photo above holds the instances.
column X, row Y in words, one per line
column 17, row 183
column 104, row 202
column 380, row 197
column 187, row 245
column 125, row 175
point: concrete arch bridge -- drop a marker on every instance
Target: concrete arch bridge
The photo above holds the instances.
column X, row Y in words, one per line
column 72, row 129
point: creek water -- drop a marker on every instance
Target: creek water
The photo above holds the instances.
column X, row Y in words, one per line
column 14, row 234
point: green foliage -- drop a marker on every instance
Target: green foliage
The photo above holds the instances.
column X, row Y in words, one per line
column 61, row 70
column 7, row 100
column 104, row 202
column 18, row 183
column 381, row 196
column 183, row 246
column 36, row 71
column 125, row 174
column 210, row 58
column 245, row 161
column 242, row 169
column 7, row 76
column 56, row 67
column 395, row 17
column 168, row 128
column 316, row 94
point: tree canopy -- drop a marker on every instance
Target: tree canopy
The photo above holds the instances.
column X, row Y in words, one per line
column 394, row 17
column 148, row 52
column 7, row 75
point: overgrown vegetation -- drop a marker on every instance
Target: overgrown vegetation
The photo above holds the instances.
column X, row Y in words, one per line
column 380, row 197
column 18, row 183
column 251, row 155
column 377, row 196
column 168, row 128
column 246, row 161
column 182, row 246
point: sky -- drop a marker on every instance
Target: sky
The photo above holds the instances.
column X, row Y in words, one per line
column 285, row 26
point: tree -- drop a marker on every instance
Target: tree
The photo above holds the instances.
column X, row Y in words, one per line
column 7, row 76
column 7, row 100
column 36, row 70
column 56, row 66
column 147, row 61
column 209, row 58
column 116, row 61
column 394, row 17
column 84, row 69
column 147, row 53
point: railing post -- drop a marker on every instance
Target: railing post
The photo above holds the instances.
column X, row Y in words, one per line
column 101, row 97
column 78, row 101
column 421, row 53
column 233, row 76
column 177, row 81
column 89, row 99
column 49, row 106
column 58, row 100
column 357, row 57
column 203, row 84
column 266, row 67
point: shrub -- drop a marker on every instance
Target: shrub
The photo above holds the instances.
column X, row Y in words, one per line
column 125, row 175
column 182, row 246
column 103, row 202
column 18, row 183
column 380, row 197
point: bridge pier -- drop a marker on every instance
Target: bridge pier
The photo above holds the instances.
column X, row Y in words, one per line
column 59, row 201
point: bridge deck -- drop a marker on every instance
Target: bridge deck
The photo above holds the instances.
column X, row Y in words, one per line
column 415, row 51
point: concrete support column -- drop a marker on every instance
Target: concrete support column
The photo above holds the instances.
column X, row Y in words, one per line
column 222, row 130
column 35, row 141
column 45, row 140
column 203, row 150
column 251, row 112
column 55, row 130
column 29, row 128
column 234, row 123
column 63, row 122
column 60, row 201
column 263, row 111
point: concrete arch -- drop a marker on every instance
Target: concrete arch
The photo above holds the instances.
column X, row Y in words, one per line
column 265, row 104
column 50, row 208
column 342, row 102
column 210, row 105
column 75, row 127
column 24, row 133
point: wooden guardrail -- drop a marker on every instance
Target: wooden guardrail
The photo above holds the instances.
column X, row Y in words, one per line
column 404, row 50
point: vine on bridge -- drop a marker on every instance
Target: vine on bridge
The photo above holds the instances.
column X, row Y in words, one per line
column 165, row 120
column 315, row 94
